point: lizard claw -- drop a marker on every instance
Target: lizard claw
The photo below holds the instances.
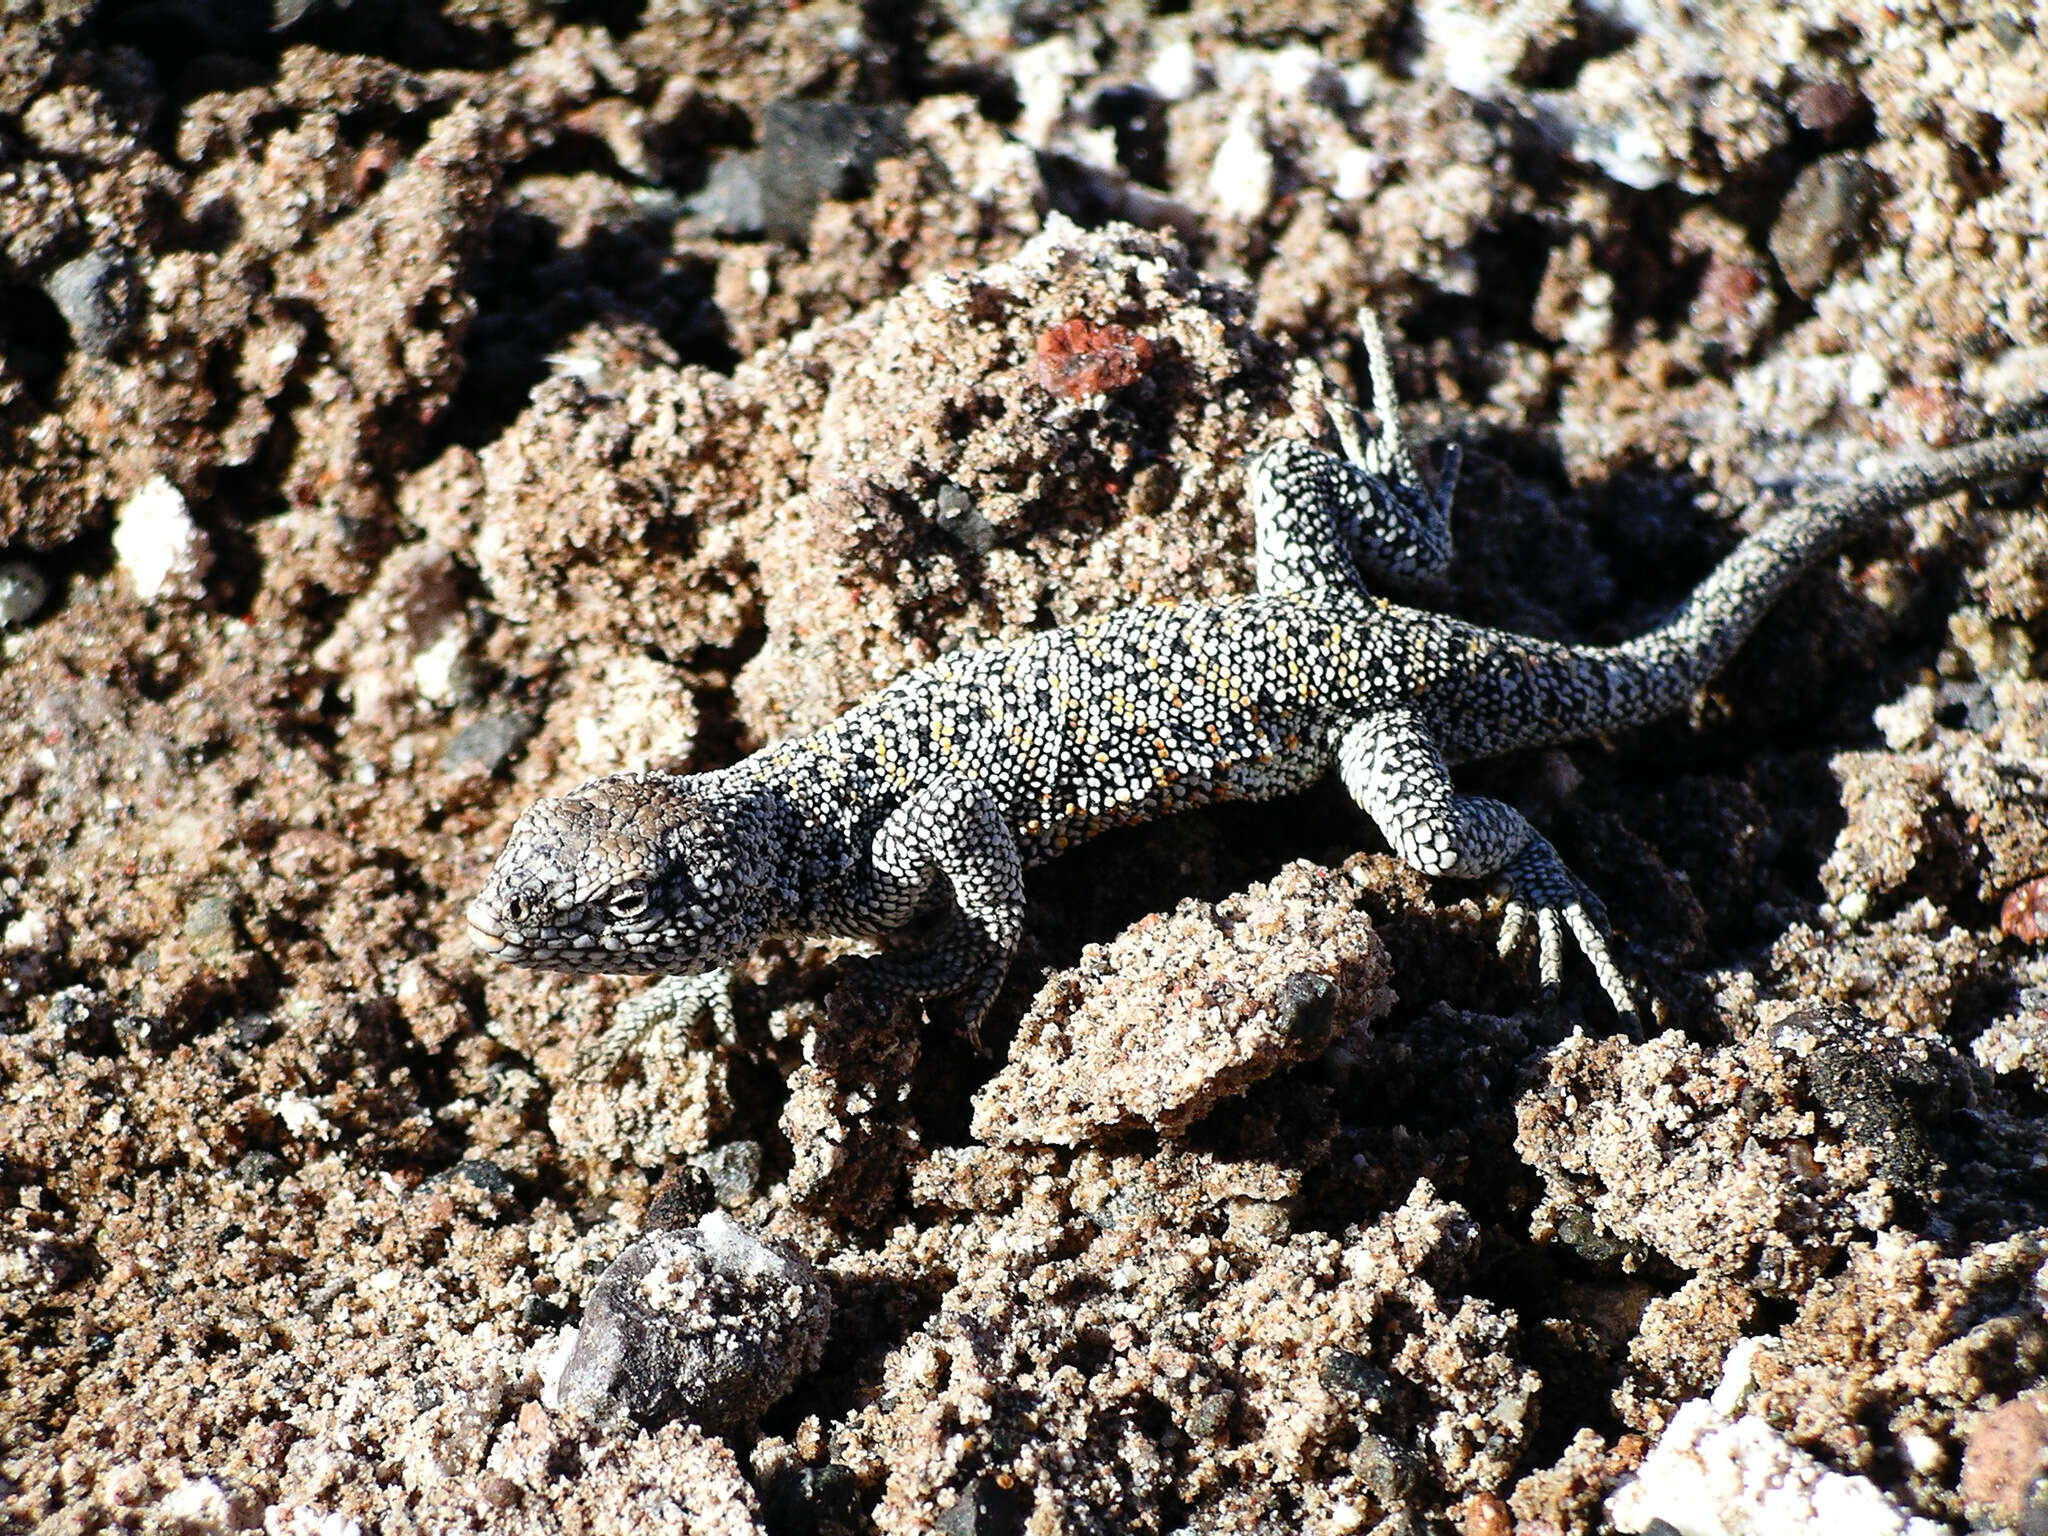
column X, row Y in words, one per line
column 1538, row 883
column 659, row 1020
column 954, row 979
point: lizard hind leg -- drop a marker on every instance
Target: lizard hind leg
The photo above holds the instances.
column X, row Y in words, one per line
column 1394, row 770
column 1323, row 520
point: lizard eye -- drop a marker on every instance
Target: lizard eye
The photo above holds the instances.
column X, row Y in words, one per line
column 629, row 901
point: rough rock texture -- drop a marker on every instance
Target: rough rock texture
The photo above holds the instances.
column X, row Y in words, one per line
column 2005, row 1464
column 1911, row 1345
column 1114, row 1347
column 1712, row 1476
column 706, row 1323
column 410, row 409
column 1184, row 1011
column 1758, row 1164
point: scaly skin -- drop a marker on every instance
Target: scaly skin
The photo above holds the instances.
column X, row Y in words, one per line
column 933, row 796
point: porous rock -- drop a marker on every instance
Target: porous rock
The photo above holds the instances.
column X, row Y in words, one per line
column 1759, row 1163
column 707, row 1323
column 1713, row 1476
column 1182, row 1011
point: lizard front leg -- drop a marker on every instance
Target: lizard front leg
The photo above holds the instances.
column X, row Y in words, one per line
column 659, row 1021
column 949, row 832
column 1394, row 770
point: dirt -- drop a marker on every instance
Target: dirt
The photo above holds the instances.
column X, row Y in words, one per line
column 408, row 411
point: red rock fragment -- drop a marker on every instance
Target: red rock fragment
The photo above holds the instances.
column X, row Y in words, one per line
column 2025, row 913
column 1078, row 359
column 2005, row 1464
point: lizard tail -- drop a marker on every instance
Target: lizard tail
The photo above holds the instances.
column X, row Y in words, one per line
column 1657, row 673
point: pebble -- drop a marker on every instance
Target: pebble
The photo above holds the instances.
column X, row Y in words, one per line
column 960, row 519
column 2024, row 913
column 23, row 590
column 815, row 150
column 706, row 1323
column 2005, row 1465
column 730, row 199
column 486, row 745
column 1078, row 358
column 95, row 293
column 163, row 551
column 986, row 1507
column 1241, row 178
column 734, row 1170
column 1821, row 221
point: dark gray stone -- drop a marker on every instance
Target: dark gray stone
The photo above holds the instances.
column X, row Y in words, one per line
column 96, row 295
column 734, row 1170
column 960, row 520
column 730, row 200
column 488, row 744
column 1824, row 218
column 706, row 1323
column 812, row 151
column 986, row 1508
column 23, row 591
column 812, row 1501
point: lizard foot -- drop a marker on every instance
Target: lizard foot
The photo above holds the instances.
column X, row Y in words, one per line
column 966, row 979
column 659, row 1020
column 1538, row 882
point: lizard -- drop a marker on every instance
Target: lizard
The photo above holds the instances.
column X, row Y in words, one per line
column 926, row 803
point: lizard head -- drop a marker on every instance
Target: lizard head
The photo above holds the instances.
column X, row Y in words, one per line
column 632, row 874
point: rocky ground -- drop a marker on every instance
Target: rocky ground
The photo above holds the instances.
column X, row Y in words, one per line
column 407, row 412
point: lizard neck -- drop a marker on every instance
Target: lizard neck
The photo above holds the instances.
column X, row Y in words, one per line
column 802, row 856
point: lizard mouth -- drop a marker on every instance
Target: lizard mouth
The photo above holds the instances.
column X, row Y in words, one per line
column 484, row 931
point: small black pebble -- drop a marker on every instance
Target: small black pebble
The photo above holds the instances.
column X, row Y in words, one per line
column 986, row 1508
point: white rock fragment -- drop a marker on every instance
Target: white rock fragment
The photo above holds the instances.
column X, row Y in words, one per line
column 552, row 1358
column 1711, row 1475
column 1047, row 76
column 1241, row 176
column 302, row 1117
column 1868, row 379
column 1738, row 1375
column 197, row 1504
column 1478, row 49
column 33, row 932
column 163, row 551
column 1175, row 72
column 443, row 673
column 638, row 716
column 1357, row 172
